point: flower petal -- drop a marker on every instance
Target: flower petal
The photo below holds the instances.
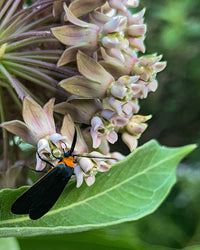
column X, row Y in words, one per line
column 99, row 18
column 35, row 117
column 73, row 35
column 96, row 138
column 93, row 70
column 71, row 16
column 83, row 87
column 82, row 7
column 96, row 122
column 86, row 164
column 40, row 165
column 116, row 24
column 81, row 110
column 90, row 180
column 112, row 137
column 130, row 140
column 48, row 109
column 69, row 55
column 20, row 129
column 68, row 127
column 137, row 43
column 137, row 29
column 79, row 175
column 43, row 146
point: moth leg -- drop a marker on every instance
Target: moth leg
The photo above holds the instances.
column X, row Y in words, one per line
column 38, row 171
column 58, row 158
column 45, row 161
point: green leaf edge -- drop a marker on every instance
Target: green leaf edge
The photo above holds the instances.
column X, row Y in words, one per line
column 183, row 151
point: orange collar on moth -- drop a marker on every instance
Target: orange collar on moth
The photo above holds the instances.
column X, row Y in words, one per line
column 69, row 161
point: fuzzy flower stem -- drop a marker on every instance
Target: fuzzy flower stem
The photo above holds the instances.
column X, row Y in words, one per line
column 29, row 18
column 43, row 53
column 33, row 62
column 13, row 82
column 35, row 34
column 5, row 32
column 34, row 72
column 5, row 136
column 26, row 10
column 10, row 12
column 26, row 42
column 32, row 79
column 5, row 8
column 40, row 23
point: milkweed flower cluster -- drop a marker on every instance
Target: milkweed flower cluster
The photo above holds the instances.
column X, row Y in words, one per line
column 102, row 43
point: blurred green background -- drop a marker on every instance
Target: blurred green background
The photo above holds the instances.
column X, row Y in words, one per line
column 174, row 31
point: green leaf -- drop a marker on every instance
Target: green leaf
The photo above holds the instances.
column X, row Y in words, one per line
column 130, row 190
column 9, row 244
column 122, row 237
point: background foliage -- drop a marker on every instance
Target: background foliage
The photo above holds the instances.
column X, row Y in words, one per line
column 173, row 30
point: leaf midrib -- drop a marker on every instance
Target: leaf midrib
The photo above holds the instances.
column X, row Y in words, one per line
column 9, row 221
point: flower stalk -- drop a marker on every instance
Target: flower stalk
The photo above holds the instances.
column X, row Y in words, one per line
column 87, row 58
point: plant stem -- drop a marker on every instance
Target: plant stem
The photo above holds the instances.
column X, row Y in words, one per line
column 5, row 136
column 11, row 11
column 20, row 91
column 31, row 72
column 46, row 65
column 26, row 42
column 33, row 34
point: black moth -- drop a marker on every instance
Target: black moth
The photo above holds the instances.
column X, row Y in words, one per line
column 39, row 199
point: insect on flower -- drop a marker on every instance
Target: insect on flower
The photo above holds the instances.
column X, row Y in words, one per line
column 39, row 199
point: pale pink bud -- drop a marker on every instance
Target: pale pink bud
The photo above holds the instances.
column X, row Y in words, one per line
column 86, row 164
column 118, row 91
column 79, row 175
column 117, row 24
column 111, row 42
column 137, row 30
column 130, row 141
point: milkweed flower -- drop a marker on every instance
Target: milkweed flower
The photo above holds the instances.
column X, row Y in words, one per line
column 116, row 34
column 108, row 74
column 87, row 168
column 38, row 129
column 105, row 46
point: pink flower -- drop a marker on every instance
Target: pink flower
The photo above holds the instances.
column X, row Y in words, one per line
column 99, row 130
column 87, row 168
column 39, row 122
column 39, row 130
column 135, row 127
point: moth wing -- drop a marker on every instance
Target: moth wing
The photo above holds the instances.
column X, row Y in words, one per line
column 39, row 198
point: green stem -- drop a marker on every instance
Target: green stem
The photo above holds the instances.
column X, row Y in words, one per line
column 32, row 79
column 5, row 32
column 1, row 3
column 27, row 42
column 19, row 90
column 5, row 135
column 39, row 52
column 11, row 11
column 31, row 72
column 28, row 9
column 3, row 84
column 42, row 64
column 39, row 23
column 37, row 13
column 47, row 55
column 33, row 34
column 5, row 8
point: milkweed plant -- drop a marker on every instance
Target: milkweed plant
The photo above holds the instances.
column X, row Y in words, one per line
column 66, row 65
